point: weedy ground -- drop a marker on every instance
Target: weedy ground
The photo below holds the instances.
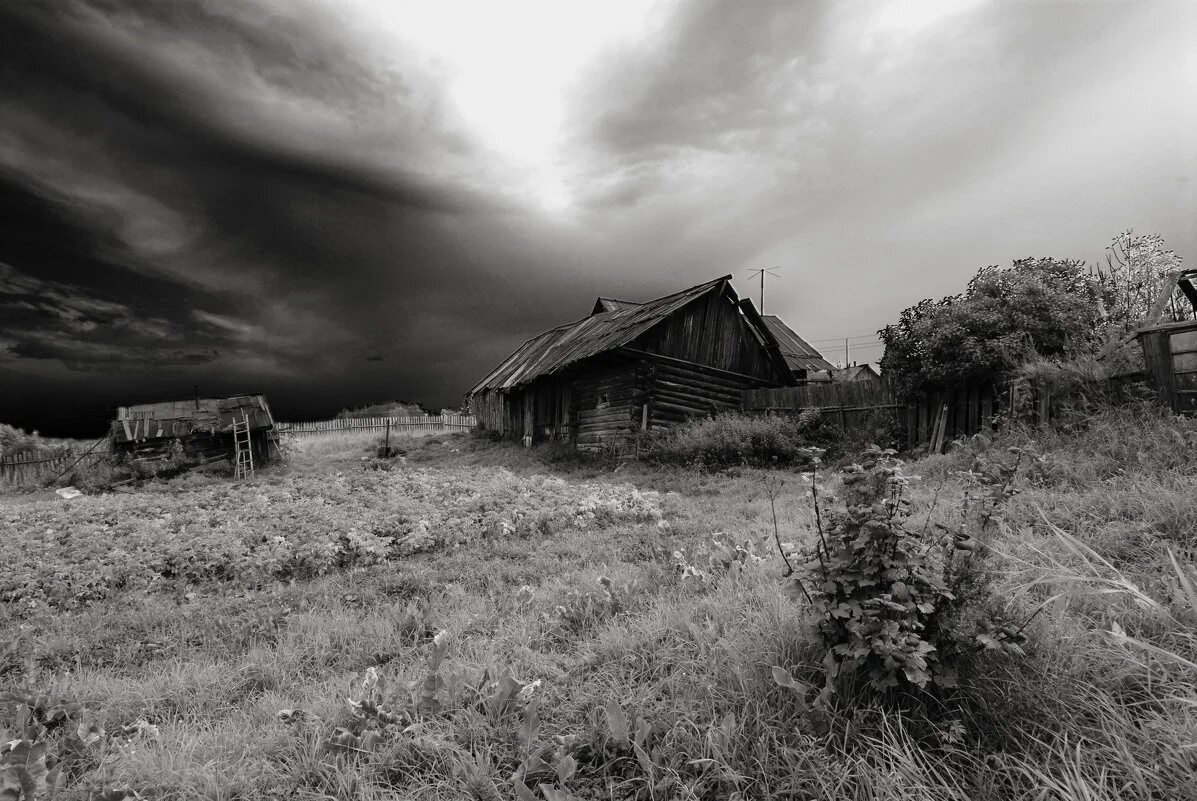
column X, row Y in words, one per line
column 474, row 619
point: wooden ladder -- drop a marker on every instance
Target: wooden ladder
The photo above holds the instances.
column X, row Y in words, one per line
column 244, row 462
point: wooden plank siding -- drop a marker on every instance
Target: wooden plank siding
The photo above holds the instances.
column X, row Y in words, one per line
column 1170, row 358
column 711, row 332
column 1183, row 348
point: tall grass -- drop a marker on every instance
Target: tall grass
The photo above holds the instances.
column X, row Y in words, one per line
column 1096, row 552
column 745, row 439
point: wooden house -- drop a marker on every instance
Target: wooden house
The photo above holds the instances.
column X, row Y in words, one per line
column 202, row 426
column 632, row 367
column 856, row 374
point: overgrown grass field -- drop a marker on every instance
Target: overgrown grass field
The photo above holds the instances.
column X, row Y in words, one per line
column 474, row 619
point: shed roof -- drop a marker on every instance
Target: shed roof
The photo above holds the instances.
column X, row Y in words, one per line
column 799, row 355
column 602, row 331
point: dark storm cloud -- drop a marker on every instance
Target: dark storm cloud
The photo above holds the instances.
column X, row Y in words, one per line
column 280, row 196
column 229, row 251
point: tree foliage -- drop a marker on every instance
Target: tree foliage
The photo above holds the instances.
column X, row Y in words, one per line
column 1137, row 269
column 1036, row 307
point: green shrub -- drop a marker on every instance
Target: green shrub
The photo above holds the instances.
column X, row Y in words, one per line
column 743, row 439
column 1037, row 307
column 897, row 609
column 15, row 440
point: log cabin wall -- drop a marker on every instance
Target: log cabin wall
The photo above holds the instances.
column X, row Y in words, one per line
column 604, row 405
column 677, row 392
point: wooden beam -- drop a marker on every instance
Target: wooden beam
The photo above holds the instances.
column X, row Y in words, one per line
column 695, row 366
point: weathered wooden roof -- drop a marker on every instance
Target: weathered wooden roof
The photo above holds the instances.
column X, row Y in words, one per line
column 602, row 331
column 187, row 416
column 798, row 354
column 611, row 304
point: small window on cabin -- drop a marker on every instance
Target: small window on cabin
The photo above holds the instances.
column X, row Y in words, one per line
column 603, row 401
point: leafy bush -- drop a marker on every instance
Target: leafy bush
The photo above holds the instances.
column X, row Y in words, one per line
column 386, row 409
column 15, row 440
column 894, row 608
column 738, row 439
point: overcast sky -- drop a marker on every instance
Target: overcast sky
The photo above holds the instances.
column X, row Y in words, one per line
column 344, row 202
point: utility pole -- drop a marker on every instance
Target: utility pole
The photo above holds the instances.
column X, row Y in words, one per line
column 761, row 271
column 845, row 352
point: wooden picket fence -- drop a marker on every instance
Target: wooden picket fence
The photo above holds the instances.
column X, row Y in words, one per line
column 31, row 469
column 424, row 424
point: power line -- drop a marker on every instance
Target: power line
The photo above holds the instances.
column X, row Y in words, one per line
column 841, row 339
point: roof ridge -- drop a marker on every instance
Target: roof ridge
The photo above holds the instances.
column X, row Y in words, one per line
column 688, row 290
column 563, row 345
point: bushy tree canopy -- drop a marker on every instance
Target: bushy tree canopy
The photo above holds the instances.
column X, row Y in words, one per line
column 1037, row 307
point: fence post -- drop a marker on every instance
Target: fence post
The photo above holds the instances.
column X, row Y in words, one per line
column 1045, row 405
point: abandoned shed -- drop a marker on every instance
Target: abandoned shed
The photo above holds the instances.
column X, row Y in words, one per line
column 1170, row 348
column 1170, row 356
column 632, row 367
column 203, row 427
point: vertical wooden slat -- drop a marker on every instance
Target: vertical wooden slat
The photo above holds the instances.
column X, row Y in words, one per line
column 1044, row 405
column 973, row 423
column 1157, row 359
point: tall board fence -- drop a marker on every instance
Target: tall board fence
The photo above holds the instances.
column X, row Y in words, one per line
column 933, row 420
column 32, row 469
column 423, row 424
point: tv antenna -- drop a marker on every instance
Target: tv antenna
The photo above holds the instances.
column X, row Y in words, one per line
column 762, row 272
